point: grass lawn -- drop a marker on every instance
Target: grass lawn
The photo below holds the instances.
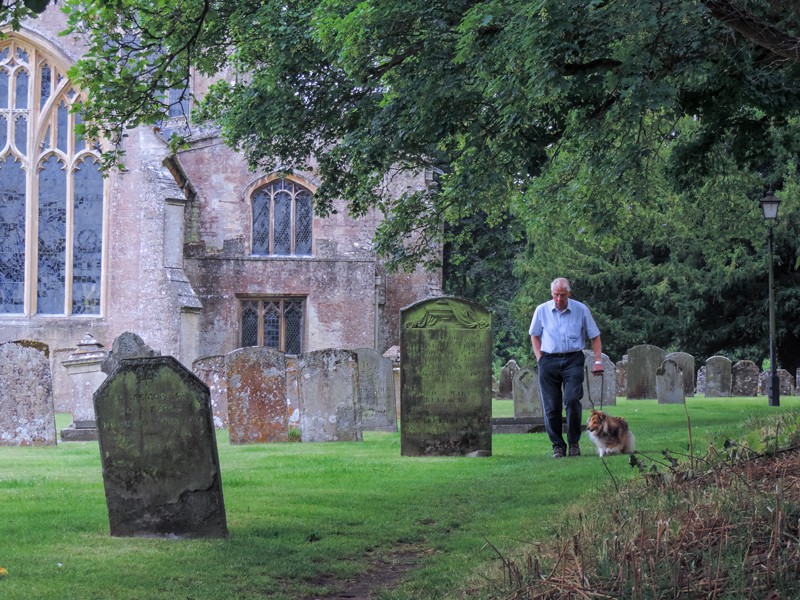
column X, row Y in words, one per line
column 302, row 515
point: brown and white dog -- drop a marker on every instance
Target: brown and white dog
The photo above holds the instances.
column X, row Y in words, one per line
column 610, row 435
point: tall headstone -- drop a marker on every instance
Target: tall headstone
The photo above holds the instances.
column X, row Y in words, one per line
column 643, row 362
column 211, row 371
column 376, row 391
column 158, row 451
column 718, row 377
column 507, row 373
column 744, row 379
column 86, row 375
column 700, row 388
column 599, row 391
column 27, row 413
column 526, row 396
column 329, row 406
column 685, row 362
column 256, row 378
column 293, row 393
column 446, row 378
column 785, row 382
column 669, row 383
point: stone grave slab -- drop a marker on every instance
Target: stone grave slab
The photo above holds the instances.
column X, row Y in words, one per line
column 669, row 383
column 643, row 362
column 376, row 391
column 526, row 395
column 446, row 378
column 329, row 406
column 158, row 451
column 27, row 412
column 256, row 392
column 718, row 377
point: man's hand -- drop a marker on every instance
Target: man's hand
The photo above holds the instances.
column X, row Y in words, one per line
column 597, row 367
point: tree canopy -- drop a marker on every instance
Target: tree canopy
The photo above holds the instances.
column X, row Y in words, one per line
column 631, row 139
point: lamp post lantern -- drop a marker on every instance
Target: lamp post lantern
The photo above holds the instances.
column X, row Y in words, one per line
column 769, row 206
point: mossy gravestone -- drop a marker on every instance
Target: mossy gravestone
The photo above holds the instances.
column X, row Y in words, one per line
column 445, row 379
column 159, row 452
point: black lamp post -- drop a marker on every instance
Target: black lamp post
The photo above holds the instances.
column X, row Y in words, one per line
column 769, row 206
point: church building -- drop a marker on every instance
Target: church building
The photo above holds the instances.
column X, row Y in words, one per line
column 193, row 252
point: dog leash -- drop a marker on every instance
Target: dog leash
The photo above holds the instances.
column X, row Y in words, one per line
column 589, row 386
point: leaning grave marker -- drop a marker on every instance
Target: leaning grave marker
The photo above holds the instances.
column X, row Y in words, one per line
column 158, row 450
column 446, row 378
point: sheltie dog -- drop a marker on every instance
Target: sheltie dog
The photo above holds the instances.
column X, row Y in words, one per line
column 610, row 435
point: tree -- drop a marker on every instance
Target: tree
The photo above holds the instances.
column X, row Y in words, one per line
column 479, row 91
column 586, row 117
column 14, row 11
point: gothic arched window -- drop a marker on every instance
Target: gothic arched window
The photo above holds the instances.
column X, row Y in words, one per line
column 51, row 190
column 282, row 219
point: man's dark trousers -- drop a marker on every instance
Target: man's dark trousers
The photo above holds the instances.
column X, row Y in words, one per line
column 561, row 385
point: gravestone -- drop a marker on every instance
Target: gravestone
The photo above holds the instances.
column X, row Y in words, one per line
column 158, row 451
column 376, row 391
column 27, row 413
column 701, row 380
column 785, row 382
column 293, row 393
column 256, row 378
column 211, row 371
column 329, row 406
column 446, row 378
column 85, row 370
column 525, row 392
column 393, row 354
column 669, row 383
column 622, row 376
column 685, row 362
column 744, row 379
column 507, row 373
column 599, row 391
column 643, row 362
column 718, row 377
column 126, row 345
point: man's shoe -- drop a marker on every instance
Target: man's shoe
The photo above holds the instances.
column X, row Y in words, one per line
column 574, row 450
column 558, row 452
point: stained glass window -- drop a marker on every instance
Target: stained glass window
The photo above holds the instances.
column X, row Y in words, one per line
column 273, row 323
column 58, row 269
column 282, row 219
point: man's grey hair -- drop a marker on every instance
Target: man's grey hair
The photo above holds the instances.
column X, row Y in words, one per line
column 560, row 282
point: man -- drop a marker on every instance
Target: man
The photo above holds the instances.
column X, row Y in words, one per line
column 558, row 331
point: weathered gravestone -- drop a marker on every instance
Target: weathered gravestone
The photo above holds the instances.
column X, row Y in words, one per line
column 685, row 362
column 329, row 407
column 669, row 383
column 744, row 379
column 293, row 393
column 622, row 376
column 257, row 412
column 718, row 377
column 701, row 380
column 211, row 371
column 643, row 362
column 376, row 391
column 507, row 373
column 126, row 345
column 598, row 390
column 158, row 451
column 393, row 354
column 446, row 379
column 785, row 382
column 27, row 413
column 525, row 392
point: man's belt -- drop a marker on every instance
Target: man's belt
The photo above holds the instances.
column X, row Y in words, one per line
column 562, row 354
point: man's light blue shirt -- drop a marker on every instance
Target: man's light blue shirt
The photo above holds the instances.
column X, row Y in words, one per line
column 563, row 331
